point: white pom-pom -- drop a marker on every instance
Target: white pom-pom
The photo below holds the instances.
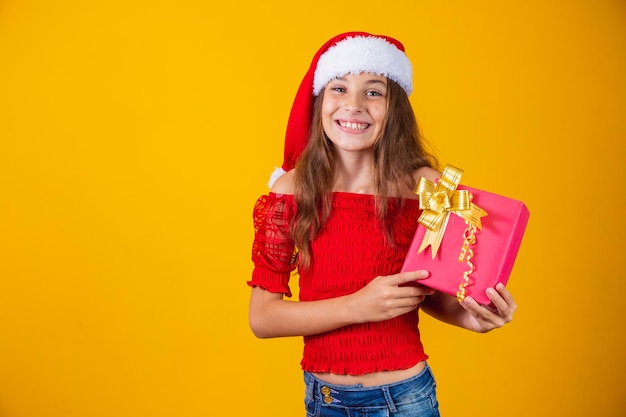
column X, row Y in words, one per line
column 277, row 173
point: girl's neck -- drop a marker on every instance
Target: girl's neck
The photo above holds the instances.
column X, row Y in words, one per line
column 357, row 177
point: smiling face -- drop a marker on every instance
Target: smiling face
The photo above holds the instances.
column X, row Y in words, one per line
column 353, row 111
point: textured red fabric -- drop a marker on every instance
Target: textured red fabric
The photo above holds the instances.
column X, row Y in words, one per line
column 349, row 251
column 273, row 251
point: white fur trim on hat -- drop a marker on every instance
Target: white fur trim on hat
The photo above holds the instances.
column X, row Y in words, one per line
column 363, row 54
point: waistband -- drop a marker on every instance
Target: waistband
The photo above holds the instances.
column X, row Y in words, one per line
column 388, row 395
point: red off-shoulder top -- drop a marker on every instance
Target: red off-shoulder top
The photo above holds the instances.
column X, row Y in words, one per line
column 349, row 251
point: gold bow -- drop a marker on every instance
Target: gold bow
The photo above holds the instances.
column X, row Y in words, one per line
column 439, row 200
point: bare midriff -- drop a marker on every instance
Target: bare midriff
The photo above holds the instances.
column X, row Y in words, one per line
column 372, row 379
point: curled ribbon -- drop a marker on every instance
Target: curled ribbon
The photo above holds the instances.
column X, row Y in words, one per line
column 439, row 200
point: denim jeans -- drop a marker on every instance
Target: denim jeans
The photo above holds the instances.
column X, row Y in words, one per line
column 413, row 397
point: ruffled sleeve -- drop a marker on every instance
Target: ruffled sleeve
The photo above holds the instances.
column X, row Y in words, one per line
column 273, row 251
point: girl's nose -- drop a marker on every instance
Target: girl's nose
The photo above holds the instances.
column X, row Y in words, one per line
column 354, row 102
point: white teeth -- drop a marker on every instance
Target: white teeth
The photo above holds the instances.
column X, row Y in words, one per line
column 354, row 126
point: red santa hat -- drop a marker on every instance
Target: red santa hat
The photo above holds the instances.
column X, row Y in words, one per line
column 347, row 53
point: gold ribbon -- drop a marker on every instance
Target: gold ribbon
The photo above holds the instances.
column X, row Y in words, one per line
column 439, row 200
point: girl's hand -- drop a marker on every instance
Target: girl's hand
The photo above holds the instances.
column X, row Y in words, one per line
column 386, row 297
column 485, row 318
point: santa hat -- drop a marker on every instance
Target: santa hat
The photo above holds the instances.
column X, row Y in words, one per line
column 347, row 53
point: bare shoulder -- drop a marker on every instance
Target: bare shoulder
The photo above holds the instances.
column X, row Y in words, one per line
column 426, row 172
column 284, row 184
column 423, row 172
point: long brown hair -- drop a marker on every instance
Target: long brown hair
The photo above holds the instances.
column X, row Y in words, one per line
column 398, row 153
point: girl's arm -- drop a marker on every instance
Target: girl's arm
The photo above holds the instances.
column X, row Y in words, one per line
column 385, row 297
column 470, row 315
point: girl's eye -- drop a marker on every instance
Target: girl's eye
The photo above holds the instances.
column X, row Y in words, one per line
column 374, row 93
column 338, row 89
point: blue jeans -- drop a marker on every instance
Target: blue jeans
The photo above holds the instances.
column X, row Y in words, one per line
column 413, row 397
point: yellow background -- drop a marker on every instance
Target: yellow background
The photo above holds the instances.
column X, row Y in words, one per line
column 135, row 137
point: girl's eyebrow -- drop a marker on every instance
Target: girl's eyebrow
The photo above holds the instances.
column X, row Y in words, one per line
column 370, row 81
column 375, row 81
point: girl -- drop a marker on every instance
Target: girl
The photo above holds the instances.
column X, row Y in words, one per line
column 342, row 211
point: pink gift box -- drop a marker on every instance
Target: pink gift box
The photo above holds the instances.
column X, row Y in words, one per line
column 495, row 250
